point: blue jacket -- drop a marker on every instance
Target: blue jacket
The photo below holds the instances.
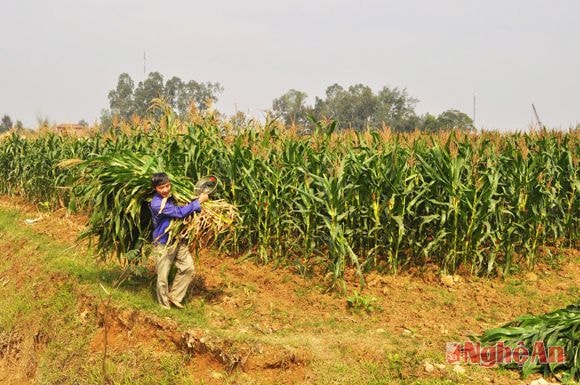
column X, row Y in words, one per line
column 162, row 219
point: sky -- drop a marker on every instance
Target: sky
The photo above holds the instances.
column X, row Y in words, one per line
column 60, row 58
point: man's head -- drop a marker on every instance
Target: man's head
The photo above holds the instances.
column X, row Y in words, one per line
column 160, row 182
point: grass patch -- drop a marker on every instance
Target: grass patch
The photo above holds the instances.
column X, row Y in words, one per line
column 41, row 318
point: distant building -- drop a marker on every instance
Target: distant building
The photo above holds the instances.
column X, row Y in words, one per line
column 72, row 129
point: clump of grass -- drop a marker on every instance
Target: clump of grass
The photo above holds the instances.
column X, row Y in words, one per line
column 359, row 303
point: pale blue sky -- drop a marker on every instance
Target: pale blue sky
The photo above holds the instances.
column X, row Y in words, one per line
column 60, row 58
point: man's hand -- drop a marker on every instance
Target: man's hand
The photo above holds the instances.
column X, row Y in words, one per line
column 203, row 198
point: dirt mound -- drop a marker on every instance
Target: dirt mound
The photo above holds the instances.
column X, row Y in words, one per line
column 211, row 356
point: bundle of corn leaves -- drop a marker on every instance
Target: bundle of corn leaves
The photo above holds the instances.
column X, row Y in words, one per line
column 560, row 328
column 117, row 189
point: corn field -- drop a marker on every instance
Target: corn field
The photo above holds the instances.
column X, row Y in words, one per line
column 329, row 200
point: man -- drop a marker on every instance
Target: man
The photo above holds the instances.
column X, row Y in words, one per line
column 163, row 210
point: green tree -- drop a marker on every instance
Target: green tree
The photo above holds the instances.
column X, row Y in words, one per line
column 198, row 94
column 447, row 120
column 454, row 119
column 291, row 107
column 106, row 120
column 358, row 107
column 146, row 91
column 121, row 98
column 6, row 123
column 173, row 90
column 396, row 109
column 127, row 100
column 429, row 123
column 332, row 106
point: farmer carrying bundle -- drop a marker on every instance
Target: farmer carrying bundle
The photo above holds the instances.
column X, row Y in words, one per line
column 116, row 189
column 163, row 211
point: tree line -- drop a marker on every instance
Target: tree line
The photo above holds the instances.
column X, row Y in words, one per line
column 357, row 106
column 360, row 108
column 6, row 124
column 128, row 99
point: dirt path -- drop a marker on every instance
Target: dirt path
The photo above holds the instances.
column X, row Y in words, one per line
column 249, row 324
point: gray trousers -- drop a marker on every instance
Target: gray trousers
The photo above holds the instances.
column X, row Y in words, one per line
column 164, row 257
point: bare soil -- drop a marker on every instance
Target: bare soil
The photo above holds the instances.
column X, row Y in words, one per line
column 273, row 326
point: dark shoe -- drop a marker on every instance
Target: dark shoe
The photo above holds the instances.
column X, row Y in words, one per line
column 175, row 303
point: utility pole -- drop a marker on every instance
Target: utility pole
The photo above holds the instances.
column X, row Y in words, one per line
column 144, row 64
